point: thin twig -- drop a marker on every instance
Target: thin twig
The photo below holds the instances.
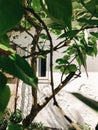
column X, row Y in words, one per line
column 16, row 95
column 24, row 29
column 57, row 89
column 20, row 46
column 66, row 67
column 51, row 48
column 59, row 45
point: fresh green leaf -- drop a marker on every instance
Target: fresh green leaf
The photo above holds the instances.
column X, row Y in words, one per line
column 63, row 60
column 36, row 5
column 91, row 103
column 44, row 36
column 18, row 67
column 88, row 21
column 95, row 34
column 52, row 24
column 69, row 34
column 60, row 12
column 5, row 50
column 70, row 68
column 11, row 12
column 60, row 61
column 3, row 80
column 15, row 127
column 58, row 67
column 5, row 40
column 16, row 116
column 70, row 50
column 81, row 58
column 91, row 6
column 4, row 98
column 91, row 48
column 23, row 64
column 90, row 51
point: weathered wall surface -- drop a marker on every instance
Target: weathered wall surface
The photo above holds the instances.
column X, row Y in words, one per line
column 74, row 108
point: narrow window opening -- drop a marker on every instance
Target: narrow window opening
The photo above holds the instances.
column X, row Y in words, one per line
column 42, row 67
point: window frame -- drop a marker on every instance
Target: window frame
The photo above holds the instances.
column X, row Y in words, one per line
column 43, row 79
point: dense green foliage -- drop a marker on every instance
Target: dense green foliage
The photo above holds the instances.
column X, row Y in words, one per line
column 7, row 19
column 68, row 19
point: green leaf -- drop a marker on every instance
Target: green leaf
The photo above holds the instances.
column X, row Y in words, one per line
column 69, row 34
column 36, row 5
column 18, row 67
column 11, row 12
column 4, row 98
column 95, row 34
column 91, row 6
column 44, row 36
column 5, row 40
column 60, row 12
column 58, row 67
column 70, row 68
column 91, row 103
column 3, row 80
column 70, row 50
column 91, row 48
column 16, row 116
column 81, row 58
column 60, row 61
column 15, row 127
column 5, row 50
column 63, row 60
column 88, row 21
column 90, row 51
column 52, row 24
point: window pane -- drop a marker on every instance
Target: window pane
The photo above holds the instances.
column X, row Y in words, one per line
column 42, row 67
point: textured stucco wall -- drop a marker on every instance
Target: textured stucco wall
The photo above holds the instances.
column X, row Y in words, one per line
column 75, row 109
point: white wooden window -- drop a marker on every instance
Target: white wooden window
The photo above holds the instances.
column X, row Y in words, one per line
column 43, row 69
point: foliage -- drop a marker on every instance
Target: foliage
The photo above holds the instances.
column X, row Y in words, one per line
column 11, row 121
column 90, row 102
column 68, row 20
column 24, row 72
column 77, row 51
column 59, row 16
column 4, row 98
column 82, row 126
column 8, row 20
column 36, row 126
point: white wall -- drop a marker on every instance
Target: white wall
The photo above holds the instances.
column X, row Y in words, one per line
column 71, row 106
column 92, row 64
column 24, row 40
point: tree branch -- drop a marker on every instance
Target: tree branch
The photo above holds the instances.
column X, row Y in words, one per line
column 51, row 49
column 19, row 46
column 57, row 89
column 16, row 95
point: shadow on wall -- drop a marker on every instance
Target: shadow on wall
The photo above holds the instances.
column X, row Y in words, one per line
column 73, row 108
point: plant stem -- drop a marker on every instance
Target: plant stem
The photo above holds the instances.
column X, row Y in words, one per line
column 16, row 95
